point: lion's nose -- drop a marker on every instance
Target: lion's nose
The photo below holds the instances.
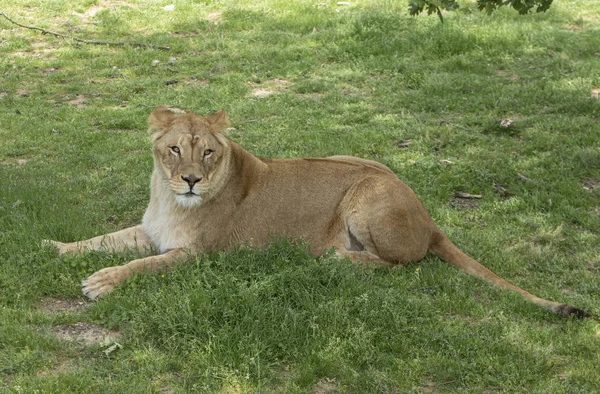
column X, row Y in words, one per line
column 191, row 179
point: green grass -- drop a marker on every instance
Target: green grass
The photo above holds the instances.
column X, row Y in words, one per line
column 75, row 162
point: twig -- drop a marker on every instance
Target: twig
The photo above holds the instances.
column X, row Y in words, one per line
column 405, row 143
column 455, row 125
column 523, row 177
column 467, row 196
column 44, row 31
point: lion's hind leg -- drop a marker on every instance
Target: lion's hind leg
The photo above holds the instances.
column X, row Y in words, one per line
column 384, row 222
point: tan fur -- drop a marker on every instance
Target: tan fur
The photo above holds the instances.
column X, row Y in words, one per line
column 359, row 207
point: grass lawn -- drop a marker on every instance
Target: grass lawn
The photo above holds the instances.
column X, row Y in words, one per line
column 502, row 106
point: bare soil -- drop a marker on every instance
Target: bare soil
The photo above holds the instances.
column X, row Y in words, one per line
column 84, row 333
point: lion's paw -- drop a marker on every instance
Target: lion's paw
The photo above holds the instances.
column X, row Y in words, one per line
column 103, row 282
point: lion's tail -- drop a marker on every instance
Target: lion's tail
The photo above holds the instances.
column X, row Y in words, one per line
column 448, row 252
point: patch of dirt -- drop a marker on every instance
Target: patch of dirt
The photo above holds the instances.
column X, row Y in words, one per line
column 285, row 374
column 463, row 203
column 428, row 387
column 78, row 101
column 201, row 83
column 40, row 50
column 89, row 13
column 47, row 71
column 267, row 88
column 591, row 184
column 325, row 386
column 84, row 333
column 596, row 93
column 507, row 75
column 162, row 383
column 262, row 93
column 590, row 18
column 54, row 306
column 214, row 17
column 60, row 367
column 17, row 161
column 563, row 375
column 92, row 11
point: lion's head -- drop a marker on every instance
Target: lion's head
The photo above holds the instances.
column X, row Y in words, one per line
column 189, row 152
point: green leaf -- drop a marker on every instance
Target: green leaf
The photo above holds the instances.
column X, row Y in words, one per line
column 523, row 7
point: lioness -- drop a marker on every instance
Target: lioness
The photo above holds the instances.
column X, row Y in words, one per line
column 207, row 193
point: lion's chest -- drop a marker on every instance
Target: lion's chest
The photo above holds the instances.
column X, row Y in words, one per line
column 167, row 231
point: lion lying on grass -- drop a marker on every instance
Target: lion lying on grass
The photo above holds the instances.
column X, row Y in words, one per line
column 208, row 193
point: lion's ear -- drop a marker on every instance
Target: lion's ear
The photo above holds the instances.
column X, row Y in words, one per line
column 217, row 121
column 160, row 120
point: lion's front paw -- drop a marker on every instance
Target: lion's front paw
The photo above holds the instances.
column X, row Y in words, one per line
column 61, row 247
column 103, row 281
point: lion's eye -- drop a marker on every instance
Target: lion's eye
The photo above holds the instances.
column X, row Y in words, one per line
column 208, row 152
column 175, row 149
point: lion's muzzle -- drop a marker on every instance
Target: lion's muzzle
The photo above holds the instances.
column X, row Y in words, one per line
column 191, row 180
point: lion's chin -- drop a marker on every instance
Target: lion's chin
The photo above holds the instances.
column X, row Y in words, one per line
column 188, row 200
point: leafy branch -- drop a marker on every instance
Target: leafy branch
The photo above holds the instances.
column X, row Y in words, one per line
column 45, row 31
column 436, row 6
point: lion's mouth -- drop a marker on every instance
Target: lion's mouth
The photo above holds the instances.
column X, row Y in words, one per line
column 188, row 199
column 189, row 194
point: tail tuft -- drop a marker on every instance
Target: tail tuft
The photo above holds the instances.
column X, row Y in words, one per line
column 568, row 310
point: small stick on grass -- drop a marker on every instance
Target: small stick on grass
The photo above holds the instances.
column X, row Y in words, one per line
column 404, row 144
column 467, row 196
column 523, row 177
column 44, row 31
column 444, row 122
